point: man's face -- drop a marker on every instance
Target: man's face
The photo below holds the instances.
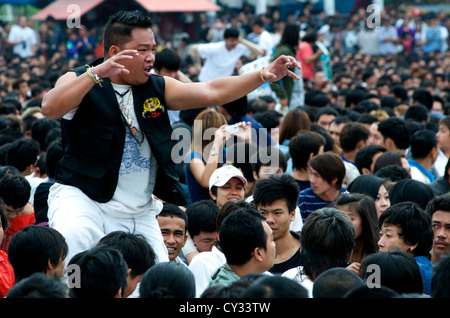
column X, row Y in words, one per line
column 383, row 91
column 173, row 230
column 142, row 40
column 11, row 213
column 205, row 241
column 319, row 185
column 390, row 239
column 325, row 120
column 23, row 89
column 233, row 190
column 443, row 137
column 440, row 221
column 231, row 43
column 374, row 136
column 266, row 171
column 335, row 132
column 270, row 252
column 278, row 217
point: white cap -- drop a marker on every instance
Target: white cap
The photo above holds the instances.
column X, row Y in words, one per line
column 223, row 174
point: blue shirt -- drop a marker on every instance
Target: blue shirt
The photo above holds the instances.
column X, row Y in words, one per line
column 308, row 202
column 426, row 270
column 429, row 174
column 196, row 191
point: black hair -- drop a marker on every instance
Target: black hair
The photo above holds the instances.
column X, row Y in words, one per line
column 120, row 26
column 262, row 158
column 422, row 142
column 15, row 190
column 167, row 58
column 22, row 152
column 274, row 188
column 320, row 252
column 137, row 252
column 393, row 173
column 167, row 280
column 411, row 190
column 275, row 287
column 240, row 233
column 364, row 156
column 396, row 129
column 441, row 277
column 398, row 270
column 335, row 283
column 54, row 154
column 202, row 217
column 32, row 249
column 172, row 210
column 231, row 33
column 414, row 223
column 103, row 272
column 38, row 285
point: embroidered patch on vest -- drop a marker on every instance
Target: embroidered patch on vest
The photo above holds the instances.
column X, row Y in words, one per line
column 152, row 108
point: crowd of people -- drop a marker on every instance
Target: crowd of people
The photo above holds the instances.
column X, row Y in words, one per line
column 266, row 158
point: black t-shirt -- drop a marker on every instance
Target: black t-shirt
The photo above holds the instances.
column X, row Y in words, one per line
column 292, row 262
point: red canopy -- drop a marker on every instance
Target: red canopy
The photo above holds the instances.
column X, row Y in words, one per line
column 178, row 5
column 63, row 9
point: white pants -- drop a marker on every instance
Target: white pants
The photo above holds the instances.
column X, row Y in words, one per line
column 83, row 223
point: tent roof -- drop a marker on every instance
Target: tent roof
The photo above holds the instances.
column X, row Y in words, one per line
column 63, row 9
column 178, row 5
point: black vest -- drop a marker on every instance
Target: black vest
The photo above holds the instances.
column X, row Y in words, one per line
column 94, row 141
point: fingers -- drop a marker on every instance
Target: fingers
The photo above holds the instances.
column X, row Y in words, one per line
column 125, row 55
column 293, row 75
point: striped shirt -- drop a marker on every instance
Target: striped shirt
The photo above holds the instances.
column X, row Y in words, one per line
column 308, row 202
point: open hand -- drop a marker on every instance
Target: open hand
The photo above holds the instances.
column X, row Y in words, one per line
column 280, row 68
column 112, row 67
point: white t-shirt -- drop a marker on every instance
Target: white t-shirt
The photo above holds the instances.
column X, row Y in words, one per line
column 297, row 276
column 265, row 42
column 203, row 265
column 218, row 60
column 26, row 34
column 137, row 173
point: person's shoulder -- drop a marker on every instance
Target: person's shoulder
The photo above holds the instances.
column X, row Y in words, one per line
column 306, row 192
column 292, row 272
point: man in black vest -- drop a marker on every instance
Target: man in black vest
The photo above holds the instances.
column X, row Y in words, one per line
column 117, row 163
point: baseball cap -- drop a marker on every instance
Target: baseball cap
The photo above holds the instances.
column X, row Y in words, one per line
column 221, row 176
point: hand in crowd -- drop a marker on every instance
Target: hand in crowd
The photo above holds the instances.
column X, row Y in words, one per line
column 354, row 267
column 112, row 66
column 245, row 131
column 280, row 68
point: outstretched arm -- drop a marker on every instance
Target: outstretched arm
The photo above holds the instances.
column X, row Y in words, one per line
column 225, row 89
column 70, row 89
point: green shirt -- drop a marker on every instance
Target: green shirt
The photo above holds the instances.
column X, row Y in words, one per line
column 224, row 276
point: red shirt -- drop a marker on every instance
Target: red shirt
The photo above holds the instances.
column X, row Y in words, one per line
column 6, row 274
column 305, row 50
column 15, row 225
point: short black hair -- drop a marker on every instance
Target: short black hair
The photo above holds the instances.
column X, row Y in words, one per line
column 277, row 187
column 231, row 33
column 39, row 285
column 202, row 216
column 172, row 210
column 414, row 223
column 121, row 24
column 136, row 251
